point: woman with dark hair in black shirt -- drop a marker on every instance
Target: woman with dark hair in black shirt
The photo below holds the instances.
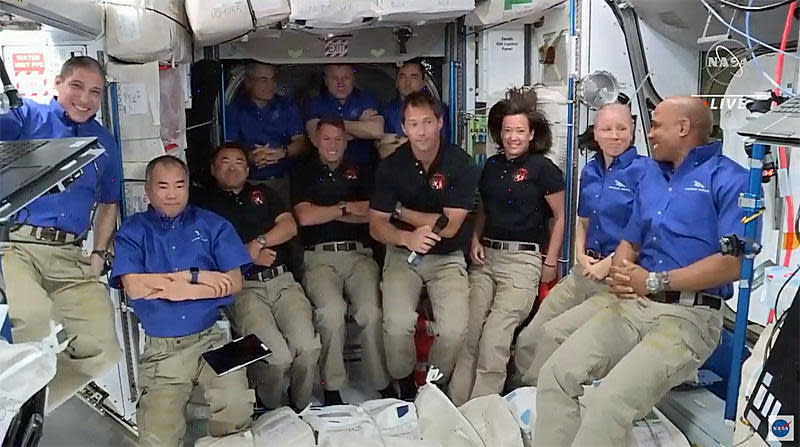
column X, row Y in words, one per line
column 512, row 246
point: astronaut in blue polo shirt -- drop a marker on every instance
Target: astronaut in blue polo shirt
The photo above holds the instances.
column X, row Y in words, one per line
column 47, row 275
column 180, row 266
column 269, row 125
column 410, row 79
column 667, row 320
column 358, row 109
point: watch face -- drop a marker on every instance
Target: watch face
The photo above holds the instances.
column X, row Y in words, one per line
column 651, row 283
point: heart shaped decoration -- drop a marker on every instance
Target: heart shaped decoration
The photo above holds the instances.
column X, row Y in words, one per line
column 378, row 52
column 294, row 54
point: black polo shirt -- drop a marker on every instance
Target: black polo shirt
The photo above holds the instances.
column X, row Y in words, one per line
column 450, row 182
column 315, row 183
column 512, row 193
column 252, row 212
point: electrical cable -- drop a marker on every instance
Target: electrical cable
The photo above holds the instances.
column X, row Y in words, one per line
column 742, row 33
column 781, row 52
column 779, row 322
column 751, row 8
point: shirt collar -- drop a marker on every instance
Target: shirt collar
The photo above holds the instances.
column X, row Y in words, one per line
column 329, row 97
column 250, row 105
column 56, row 108
column 516, row 160
column 696, row 156
column 621, row 161
column 156, row 216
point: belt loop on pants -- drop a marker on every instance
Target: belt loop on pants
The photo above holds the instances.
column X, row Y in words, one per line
column 688, row 299
column 510, row 245
column 266, row 274
column 338, row 246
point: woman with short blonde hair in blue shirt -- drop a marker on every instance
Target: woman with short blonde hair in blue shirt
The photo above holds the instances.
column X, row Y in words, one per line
column 608, row 183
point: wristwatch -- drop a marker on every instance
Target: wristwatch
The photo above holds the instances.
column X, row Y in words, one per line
column 657, row 282
column 195, row 272
column 343, row 208
column 105, row 254
column 262, row 240
column 397, row 212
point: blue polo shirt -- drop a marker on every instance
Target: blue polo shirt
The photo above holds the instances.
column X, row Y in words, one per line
column 70, row 209
column 606, row 197
column 679, row 217
column 393, row 118
column 274, row 125
column 149, row 242
column 359, row 151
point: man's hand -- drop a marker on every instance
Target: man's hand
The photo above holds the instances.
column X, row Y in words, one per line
column 477, row 253
column 421, row 240
column 220, row 282
column 367, row 114
column 628, row 281
column 599, row 270
column 275, row 154
column 254, row 247
column 358, row 208
column 98, row 263
column 586, row 261
column 265, row 257
column 259, row 156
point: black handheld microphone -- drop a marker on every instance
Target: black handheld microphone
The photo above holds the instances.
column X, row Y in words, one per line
column 415, row 258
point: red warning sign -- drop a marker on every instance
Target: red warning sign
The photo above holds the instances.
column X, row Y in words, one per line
column 28, row 62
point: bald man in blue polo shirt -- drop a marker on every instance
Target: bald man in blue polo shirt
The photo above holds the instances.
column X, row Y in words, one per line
column 358, row 109
column 666, row 320
column 47, row 276
column 180, row 266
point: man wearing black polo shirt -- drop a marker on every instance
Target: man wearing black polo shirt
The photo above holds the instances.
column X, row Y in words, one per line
column 271, row 304
column 331, row 202
column 415, row 186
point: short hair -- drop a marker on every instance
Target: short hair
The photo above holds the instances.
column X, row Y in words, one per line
column 416, row 61
column 251, row 67
column 334, row 121
column 521, row 101
column 330, row 66
column 228, row 145
column 421, row 98
column 165, row 160
column 84, row 62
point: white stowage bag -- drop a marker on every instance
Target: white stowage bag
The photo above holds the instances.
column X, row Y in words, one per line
column 655, row 430
column 241, row 439
column 394, row 417
column 343, row 426
column 440, row 420
column 216, row 21
column 493, row 421
column 282, row 427
column 402, row 442
column 25, row 368
column 522, row 404
column 420, row 11
column 142, row 31
column 333, row 14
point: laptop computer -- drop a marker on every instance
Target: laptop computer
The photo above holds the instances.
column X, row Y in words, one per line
column 30, row 168
column 780, row 125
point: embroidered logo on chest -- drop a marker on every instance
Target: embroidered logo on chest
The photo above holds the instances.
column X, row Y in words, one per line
column 437, row 181
column 198, row 237
column 351, row 174
column 520, row 175
column 697, row 186
column 257, row 197
column 618, row 186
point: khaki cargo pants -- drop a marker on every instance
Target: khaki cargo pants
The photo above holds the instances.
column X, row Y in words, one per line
column 278, row 312
column 640, row 349
column 502, row 294
column 571, row 303
column 169, row 369
column 49, row 282
column 332, row 280
column 445, row 278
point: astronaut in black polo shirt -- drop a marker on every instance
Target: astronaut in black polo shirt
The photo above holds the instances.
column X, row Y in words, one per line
column 421, row 181
column 272, row 304
column 512, row 245
column 331, row 202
